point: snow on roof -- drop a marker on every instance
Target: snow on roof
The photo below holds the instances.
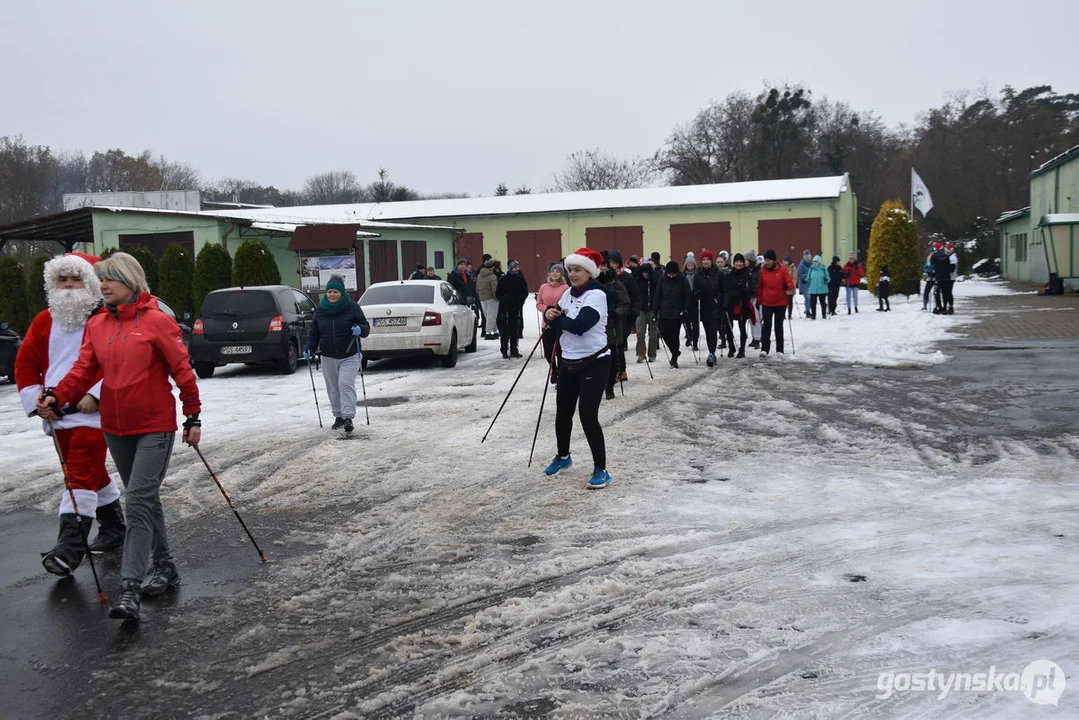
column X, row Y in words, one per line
column 1064, row 157
column 1060, row 219
column 290, row 228
column 673, row 196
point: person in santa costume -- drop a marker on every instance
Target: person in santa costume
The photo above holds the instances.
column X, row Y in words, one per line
column 48, row 352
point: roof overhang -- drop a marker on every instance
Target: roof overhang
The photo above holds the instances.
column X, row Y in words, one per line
column 1060, row 219
column 1013, row 215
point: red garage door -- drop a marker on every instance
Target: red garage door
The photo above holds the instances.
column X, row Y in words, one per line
column 626, row 240
column 789, row 237
column 534, row 250
column 470, row 247
column 695, row 237
column 413, row 253
column 383, row 260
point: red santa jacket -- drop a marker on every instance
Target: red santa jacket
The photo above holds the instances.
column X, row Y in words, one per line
column 47, row 354
column 136, row 347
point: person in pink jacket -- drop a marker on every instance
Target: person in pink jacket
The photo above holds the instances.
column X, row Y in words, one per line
column 548, row 295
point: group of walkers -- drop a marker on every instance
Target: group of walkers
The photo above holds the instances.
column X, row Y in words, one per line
column 941, row 270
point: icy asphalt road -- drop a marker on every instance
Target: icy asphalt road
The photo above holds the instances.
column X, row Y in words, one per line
column 777, row 535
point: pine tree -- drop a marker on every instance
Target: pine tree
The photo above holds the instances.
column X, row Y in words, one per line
column 213, row 271
column 13, row 305
column 893, row 241
column 176, row 272
column 149, row 266
column 254, row 264
column 36, row 299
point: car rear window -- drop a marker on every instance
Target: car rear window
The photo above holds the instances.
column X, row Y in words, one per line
column 398, row 294
column 239, row 302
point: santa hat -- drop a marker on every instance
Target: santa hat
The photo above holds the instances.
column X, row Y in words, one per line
column 586, row 258
column 73, row 264
column 938, row 246
column 949, row 247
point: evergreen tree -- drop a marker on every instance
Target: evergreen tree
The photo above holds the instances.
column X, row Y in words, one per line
column 149, row 266
column 13, row 305
column 176, row 274
column 36, row 298
column 893, row 241
column 109, row 251
column 213, row 271
column 254, row 264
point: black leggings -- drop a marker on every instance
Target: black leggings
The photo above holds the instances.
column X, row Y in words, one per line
column 741, row 320
column 669, row 330
column 946, row 297
column 550, row 336
column 582, row 391
column 822, row 298
column 925, row 295
column 772, row 315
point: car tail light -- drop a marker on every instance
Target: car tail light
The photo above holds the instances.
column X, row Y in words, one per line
column 196, row 329
column 432, row 318
column 277, row 324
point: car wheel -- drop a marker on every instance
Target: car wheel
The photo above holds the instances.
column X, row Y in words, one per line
column 471, row 347
column 450, row 359
column 205, row 369
column 288, row 365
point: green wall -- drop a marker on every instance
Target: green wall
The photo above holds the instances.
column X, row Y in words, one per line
column 1053, row 191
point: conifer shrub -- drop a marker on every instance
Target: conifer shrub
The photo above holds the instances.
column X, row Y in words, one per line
column 176, row 272
column 36, row 299
column 893, row 241
column 149, row 266
column 13, row 305
column 254, row 264
column 213, row 271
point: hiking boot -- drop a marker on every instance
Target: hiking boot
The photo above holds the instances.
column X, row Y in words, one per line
column 70, row 545
column 609, row 393
column 163, row 577
column 651, row 358
column 640, row 359
column 110, row 528
column 338, row 423
column 730, row 353
column 741, row 353
column 756, row 344
column 711, row 361
column 599, row 480
column 348, row 425
column 559, row 463
column 130, row 601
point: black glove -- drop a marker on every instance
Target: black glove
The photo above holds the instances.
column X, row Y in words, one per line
column 191, row 422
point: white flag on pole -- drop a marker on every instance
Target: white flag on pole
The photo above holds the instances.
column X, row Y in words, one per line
column 919, row 194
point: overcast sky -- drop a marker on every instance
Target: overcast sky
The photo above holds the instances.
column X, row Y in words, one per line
column 456, row 96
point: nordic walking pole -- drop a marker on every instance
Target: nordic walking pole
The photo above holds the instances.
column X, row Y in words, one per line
column 550, row 367
column 313, row 390
column 229, row 501
column 538, row 340
column 363, row 385
column 75, row 507
column 794, row 350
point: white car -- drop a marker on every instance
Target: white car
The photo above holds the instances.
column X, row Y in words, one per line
column 418, row 317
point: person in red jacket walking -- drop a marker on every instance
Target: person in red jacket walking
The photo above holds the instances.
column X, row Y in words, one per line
column 135, row 348
column 853, row 272
column 47, row 353
column 774, row 287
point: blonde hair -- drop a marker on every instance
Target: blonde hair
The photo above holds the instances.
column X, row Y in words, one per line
column 123, row 268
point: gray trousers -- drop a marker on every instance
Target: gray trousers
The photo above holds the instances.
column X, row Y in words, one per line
column 340, row 377
column 142, row 461
column 490, row 315
column 646, row 323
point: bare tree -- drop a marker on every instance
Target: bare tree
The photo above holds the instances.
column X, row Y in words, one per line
column 714, row 147
column 331, row 188
column 597, row 170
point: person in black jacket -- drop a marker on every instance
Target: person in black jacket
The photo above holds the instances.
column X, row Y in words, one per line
column 511, row 293
column 420, row 273
column 646, row 277
column 739, row 301
column 671, row 306
column 633, row 290
column 617, row 309
column 706, row 293
column 461, row 281
column 884, row 290
column 335, row 332
column 835, row 282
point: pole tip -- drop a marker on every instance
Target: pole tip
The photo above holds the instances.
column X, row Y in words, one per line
column 263, row 557
column 102, row 598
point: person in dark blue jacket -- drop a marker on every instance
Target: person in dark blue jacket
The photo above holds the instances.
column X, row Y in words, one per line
column 335, row 334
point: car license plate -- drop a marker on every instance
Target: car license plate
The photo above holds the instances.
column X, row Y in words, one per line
column 236, row 350
column 383, row 322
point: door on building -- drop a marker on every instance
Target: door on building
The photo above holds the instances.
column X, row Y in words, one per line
column 695, row 237
column 470, row 247
column 626, row 240
column 790, row 237
column 383, row 260
column 361, row 279
column 413, row 253
column 534, row 250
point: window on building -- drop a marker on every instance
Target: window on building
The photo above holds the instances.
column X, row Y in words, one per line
column 440, row 259
column 1019, row 247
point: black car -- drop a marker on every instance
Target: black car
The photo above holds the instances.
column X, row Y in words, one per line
column 9, row 348
column 264, row 323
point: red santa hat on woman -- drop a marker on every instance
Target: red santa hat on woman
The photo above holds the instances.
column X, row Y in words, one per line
column 586, row 258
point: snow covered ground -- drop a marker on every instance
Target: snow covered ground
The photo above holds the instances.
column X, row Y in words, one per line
column 778, row 534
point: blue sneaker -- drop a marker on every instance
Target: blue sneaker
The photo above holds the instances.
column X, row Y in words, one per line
column 559, row 463
column 600, row 479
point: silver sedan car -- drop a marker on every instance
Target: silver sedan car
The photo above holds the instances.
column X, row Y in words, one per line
column 418, row 317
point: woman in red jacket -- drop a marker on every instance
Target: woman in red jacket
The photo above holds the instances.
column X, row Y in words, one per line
column 136, row 348
column 773, row 287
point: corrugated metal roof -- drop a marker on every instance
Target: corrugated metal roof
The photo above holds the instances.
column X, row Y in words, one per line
column 1010, row 215
column 1064, row 157
column 673, row 196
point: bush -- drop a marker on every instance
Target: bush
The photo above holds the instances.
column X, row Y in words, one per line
column 254, row 265
column 213, row 271
column 893, row 241
column 13, row 305
column 149, row 266
column 176, row 272
column 107, row 252
column 36, row 299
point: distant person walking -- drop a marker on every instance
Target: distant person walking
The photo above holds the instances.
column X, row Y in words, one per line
column 853, row 272
column 335, row 333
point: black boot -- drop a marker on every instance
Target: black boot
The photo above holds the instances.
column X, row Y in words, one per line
column 130, row 601
column 163, row 577
column 338, row 423
column 110, row 528
column 70, row 545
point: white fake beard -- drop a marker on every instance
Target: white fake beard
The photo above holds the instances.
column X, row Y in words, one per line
column 71, row 307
